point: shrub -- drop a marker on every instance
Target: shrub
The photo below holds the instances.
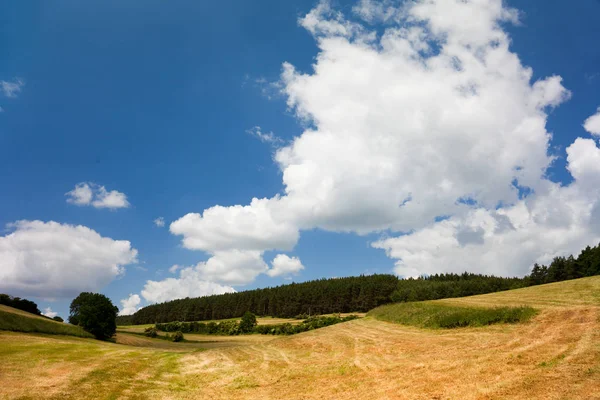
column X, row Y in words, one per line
column 151, row 332
column 228, row 328
column 58, row 319
column 248, row 322
column 212, row 328
column 177, row 336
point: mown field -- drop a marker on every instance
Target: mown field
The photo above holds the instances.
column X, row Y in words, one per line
column 553, row 355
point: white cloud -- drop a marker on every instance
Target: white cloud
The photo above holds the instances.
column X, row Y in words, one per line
column 540, row 228
column 255, row 227
column 175, row 268
column 284, row 265
column 91, row 194
column 12, row 88
column 323, row 20
column 236, row 237
column 432, row 116
column 49, row 313
column 373, row 11
column 189, row 284
column 160, row 222
column 53, row 260
column 592, row 124
column 268, row 137
column 583, row 159
column 233, row 267
column 217, row 275
column 130, row 305
column 112, row 199
column 82, row 195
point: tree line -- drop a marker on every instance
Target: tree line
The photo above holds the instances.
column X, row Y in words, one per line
column 323, row 296
column 454, row 285
column 443, row 286
column 565, row 268
column 248, row 324
column 357, row 294
column 20, row 304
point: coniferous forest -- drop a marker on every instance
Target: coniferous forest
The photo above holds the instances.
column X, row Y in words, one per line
column 324, row 296
column 358, row 294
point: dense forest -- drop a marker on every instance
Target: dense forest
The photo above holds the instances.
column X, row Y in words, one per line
column 356, row 294
column 324, row 296
column 19, row 303
column 445, row 286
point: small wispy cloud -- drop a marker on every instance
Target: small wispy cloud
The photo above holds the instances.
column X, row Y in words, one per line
column 49, row 313
column 175, row 268
column 160, row 222
column 12, row 88
column 265, row 137
column 268, row 89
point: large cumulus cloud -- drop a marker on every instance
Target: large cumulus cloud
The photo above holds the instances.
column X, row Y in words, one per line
column 54, row 260
column 428, row 115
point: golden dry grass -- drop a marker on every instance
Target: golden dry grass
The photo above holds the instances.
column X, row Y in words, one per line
column 554, row 356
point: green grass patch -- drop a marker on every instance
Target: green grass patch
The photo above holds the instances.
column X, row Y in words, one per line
column 20, row 323
column 552, row 363
column 435, row 315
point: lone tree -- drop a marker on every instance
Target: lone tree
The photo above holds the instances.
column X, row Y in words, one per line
column 95, row 313
column 248, row 322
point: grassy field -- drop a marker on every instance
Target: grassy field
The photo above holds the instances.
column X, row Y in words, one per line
column 555, row 355
column 12, row 319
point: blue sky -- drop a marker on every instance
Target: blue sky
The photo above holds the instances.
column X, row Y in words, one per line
column 159, row 101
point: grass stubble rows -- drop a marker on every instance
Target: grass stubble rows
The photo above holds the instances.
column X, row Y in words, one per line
column 555, row 355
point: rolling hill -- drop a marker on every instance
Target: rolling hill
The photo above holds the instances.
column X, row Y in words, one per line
column 12, row 319
column 554, row 355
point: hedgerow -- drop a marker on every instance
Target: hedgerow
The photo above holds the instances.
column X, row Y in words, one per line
column 233, row 327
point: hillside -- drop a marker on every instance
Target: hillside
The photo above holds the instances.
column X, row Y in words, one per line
column 555, row 355
column 513, row 306
column 359, row 293
column 15, row 320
